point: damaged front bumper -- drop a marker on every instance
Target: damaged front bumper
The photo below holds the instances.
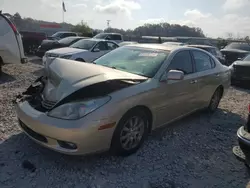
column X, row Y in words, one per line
column 73, row 137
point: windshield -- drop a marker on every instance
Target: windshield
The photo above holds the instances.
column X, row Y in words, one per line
column 84, row 44
column 240, row 46
column 57, row 34
column 67, row 40
column 140, row 61
column 247, row 58
column 100, row 36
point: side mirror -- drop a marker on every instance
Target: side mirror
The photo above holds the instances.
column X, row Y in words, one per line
column 108, row 38
column 172, row 75
column 96, row 50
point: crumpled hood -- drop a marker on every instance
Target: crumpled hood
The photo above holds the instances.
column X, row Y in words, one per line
column 66, row 51
column 67, row 76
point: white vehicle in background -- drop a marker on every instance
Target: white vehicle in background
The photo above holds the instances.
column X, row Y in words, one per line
column 11, row 46
column 174, row 43
column 85, row 50
column 127, row 43
column 116, row 37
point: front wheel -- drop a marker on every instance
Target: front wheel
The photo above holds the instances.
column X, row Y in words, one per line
column 130, row 133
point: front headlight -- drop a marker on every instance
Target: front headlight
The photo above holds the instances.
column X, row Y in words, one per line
column 77, row 110
column 66, row 56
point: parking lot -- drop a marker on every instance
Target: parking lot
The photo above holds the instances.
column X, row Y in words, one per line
column 194, row 152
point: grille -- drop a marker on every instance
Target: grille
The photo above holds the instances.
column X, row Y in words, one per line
column 48, row 104
column 32, row 133
column 52, row 55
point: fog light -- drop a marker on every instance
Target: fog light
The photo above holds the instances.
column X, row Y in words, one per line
column 67, row 145
column 24, row 60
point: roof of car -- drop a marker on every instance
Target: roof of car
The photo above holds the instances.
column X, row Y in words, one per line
column 95, row 39
column 201, row 46
column 131, row 42
column 111, row 33
column 158, row 46
column 65, row 32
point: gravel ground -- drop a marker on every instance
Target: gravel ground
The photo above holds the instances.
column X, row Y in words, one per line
column 194, row 152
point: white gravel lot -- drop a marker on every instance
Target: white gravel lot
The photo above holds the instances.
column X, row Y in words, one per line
column 194, row 152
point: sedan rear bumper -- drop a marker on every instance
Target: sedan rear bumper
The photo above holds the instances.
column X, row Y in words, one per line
column 74, row 137
column 244, row 142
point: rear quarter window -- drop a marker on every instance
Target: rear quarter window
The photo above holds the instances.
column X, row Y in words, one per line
column 115, row 37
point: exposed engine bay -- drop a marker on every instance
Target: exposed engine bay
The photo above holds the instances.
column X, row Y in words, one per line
column 34, row 93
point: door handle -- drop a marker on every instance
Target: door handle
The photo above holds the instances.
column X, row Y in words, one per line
column 193, row 81
column 217, row 75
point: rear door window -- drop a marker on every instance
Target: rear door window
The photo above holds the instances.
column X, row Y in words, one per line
column 202, row 61
column 102, row 46
column 115, row 37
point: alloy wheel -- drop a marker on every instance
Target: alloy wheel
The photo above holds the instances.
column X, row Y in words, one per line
column 132, row 133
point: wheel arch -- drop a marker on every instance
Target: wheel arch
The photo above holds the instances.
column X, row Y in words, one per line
column 1, row 60
column 221, row 88
column 146, row 110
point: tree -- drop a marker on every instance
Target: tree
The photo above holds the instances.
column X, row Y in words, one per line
column 159, row 30
column 17, row 19
column 82, row 28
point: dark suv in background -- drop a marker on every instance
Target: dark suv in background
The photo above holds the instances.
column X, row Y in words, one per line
column 235, row 51
column 62, row 34
column 211, row 49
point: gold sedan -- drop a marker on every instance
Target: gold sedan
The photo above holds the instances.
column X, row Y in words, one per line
column 113, row 103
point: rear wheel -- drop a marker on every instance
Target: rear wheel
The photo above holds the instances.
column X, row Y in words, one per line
column 1, row 65
column 130, row 133
column 215, row 100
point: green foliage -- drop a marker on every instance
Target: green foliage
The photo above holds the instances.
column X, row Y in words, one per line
column 82, row 28
column 159, row 30
column 162, row 30
column 221, row 43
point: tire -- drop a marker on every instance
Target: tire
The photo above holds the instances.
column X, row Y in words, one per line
column 1, row 69
column 123, row 134
column 215, row 100
column 1, row 66
column 80, row 59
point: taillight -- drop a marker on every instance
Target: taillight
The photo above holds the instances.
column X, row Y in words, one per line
column 13, row 27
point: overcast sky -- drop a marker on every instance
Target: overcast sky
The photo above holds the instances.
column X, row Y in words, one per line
column 215, row 17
